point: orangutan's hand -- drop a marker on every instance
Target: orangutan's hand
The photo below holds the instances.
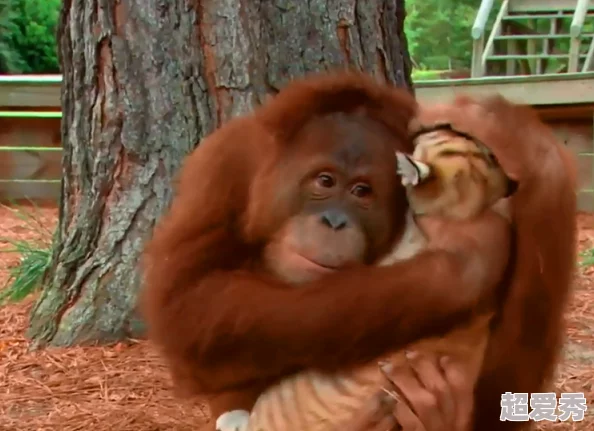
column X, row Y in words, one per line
column 438, row 394
column 430, row 395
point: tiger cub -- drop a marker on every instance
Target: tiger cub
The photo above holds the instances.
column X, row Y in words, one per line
column 448, row 174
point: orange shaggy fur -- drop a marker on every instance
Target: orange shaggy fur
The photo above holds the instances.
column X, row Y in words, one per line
column 224, row 325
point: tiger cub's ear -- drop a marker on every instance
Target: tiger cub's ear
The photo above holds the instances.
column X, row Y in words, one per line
column 412, row 172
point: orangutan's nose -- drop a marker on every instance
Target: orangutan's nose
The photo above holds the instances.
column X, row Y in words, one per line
column 334, row 219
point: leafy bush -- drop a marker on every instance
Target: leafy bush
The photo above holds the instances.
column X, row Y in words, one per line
column 10, row 61
column 439, row 32
column 35, row 259
column 28, row 36
column 425, row 75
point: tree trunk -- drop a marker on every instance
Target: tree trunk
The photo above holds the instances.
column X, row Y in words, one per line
column 144, row 81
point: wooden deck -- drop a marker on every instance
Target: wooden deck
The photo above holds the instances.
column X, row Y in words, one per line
column 535, row 90
column 30, row 91
column 30, row 147
column 42, row 93
column 564, row 101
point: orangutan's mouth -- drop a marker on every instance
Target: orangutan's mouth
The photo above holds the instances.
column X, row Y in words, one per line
column 313, row 264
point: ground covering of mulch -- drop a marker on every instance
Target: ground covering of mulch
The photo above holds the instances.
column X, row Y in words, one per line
column 125, row 387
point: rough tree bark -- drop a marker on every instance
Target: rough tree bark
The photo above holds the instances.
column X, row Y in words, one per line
column 143, row 82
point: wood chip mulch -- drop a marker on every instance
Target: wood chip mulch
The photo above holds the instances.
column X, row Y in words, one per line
column 125, row 387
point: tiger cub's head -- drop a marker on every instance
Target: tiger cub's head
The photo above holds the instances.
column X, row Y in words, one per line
column 451, row 174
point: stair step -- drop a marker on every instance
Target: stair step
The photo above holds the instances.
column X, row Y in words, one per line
column 529, row 56
column 539, row 36
column 535, row 16
column 509, row 17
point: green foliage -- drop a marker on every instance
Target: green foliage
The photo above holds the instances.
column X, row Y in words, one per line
column 439, row 36
column 35, row 259
column 439, row 32
column 10, row 60
column 29, row 36
column 425, row 75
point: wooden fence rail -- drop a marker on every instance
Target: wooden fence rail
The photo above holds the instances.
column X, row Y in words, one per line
column 30, row 147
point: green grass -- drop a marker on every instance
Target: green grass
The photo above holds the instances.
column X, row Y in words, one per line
column 587, row 257
column 35, row 257
column 425, row 75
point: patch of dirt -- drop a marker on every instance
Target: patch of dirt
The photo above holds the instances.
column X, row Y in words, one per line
column 126, row 387
column 122, row 387
column 575, row 372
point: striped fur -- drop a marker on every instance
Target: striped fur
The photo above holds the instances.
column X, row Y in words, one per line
column 313, row 401
column 464, row 177
column 462, row 180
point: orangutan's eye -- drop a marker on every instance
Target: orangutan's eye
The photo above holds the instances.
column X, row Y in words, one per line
column 325, row 181
column 361, row 190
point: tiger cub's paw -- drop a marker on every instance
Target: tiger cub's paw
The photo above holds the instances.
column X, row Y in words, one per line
column 234, row 420
column 407, row 169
